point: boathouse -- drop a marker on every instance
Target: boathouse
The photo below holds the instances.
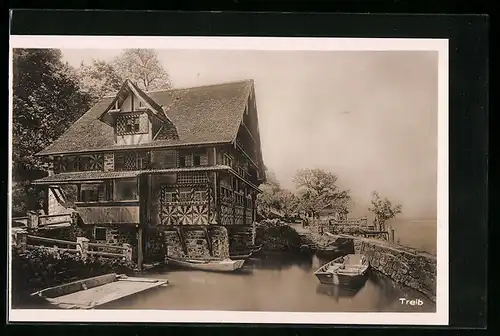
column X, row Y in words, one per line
column 181, row 164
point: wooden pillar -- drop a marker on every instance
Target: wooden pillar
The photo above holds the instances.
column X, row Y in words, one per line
column 140, row 253
column 82, row 245
column 217, row 197
column 127, row 252
column 33, row 220
column 391, row 234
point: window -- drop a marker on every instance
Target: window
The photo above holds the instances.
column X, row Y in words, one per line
column 132, row 124
column 200, row 178
column 100, row 233
column 164, row 159
column 227, row 195
column 125, row 190
column 170, row 196
column 197, row 160
column 200, row 195
column 196, row 178
column 239, row 199
column 92, row 193
column 249, row 202
column 132, row 160
column 235, row 184
column 182, row 161
column 142, row 160
column 69, row 164
column 184, row 195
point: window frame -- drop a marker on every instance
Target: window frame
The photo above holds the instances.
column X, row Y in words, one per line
column 126, row 180
column 105, row 232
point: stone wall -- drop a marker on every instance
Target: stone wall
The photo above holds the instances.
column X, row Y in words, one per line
column 196, row 243
column 241, row 238
column 411, row 268
column 277, row 236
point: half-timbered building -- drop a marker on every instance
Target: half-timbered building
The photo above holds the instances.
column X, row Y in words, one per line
column 185, row 163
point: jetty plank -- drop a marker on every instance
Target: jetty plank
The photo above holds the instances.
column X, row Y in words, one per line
column 97, row 296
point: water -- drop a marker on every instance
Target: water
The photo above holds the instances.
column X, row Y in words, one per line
column 275, row 283
column 419, row 234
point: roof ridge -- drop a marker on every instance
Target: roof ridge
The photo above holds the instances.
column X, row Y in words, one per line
column 188, row 87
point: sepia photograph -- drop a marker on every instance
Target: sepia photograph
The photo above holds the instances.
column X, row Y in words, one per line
column 283, row 179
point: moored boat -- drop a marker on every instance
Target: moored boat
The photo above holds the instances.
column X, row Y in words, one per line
column 246, row 254
column 97, row 291
column 226, row 265
column 347, row 270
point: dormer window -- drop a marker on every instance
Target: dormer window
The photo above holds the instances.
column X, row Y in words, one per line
column 132, row 123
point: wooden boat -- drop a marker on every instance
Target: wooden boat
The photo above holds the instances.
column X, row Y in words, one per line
column 242, row 256
column 97, row 291
column 226, row 265
column 347, row 270
column 246, row 254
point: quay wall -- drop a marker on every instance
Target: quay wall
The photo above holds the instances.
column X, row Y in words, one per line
column 406, row 266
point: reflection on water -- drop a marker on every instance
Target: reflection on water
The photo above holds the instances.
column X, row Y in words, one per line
column 276, row 283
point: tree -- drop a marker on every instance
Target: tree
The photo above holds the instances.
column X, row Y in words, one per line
column 273, row 197
column 383, row 210
column 99, row 79
column 46, row 100
column 142, row 67
column 318, row 189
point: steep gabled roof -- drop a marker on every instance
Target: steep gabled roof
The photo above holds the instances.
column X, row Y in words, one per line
column 129, row 87
column 202, row 115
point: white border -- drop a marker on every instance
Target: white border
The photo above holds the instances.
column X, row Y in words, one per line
column 440, row 317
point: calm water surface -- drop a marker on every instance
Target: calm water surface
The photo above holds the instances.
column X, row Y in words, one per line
column 271, row 284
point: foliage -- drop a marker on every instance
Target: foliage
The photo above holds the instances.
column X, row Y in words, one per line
column 383, row 210
column 143, row 68
column 99, row 79
column 20, row 200
column 273, row 197
column 47, row 99
column 35, row 269
column 275, row 235
column 318, row 189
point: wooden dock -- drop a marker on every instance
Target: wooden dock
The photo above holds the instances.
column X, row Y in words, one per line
column 95, row 292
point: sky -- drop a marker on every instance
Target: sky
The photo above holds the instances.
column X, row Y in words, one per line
column 370, row 117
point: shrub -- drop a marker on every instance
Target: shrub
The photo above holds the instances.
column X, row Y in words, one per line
column 35, row 269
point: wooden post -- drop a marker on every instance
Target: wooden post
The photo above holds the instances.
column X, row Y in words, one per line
column 82, row 246
column 74, row 218
column 139, row 248
column 209, row 240
column 391, row 234
column 21, row 240
column 32, row 221
column 127, row 252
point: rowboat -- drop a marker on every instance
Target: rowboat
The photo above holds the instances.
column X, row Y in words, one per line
column 246, row 254
column 226, row 265
column 347, row 270
column 93, row 292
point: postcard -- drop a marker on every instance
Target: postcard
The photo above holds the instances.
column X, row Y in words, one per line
column 228, row 180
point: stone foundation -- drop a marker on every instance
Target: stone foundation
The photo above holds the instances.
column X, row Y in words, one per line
column 411, row 268
column 197, row 244
column 241, row 238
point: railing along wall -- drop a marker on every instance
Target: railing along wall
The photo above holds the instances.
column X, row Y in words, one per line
column 35, row 220
column 22, row 241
